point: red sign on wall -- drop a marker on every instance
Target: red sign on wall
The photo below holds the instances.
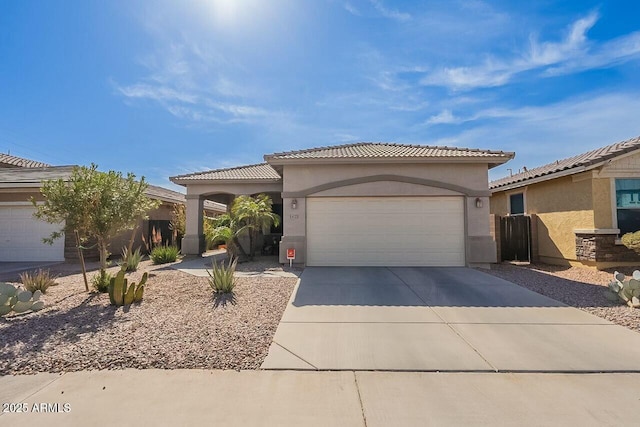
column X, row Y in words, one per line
column 291, row 253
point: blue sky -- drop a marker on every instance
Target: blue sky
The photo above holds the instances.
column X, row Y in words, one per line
column 162, row 88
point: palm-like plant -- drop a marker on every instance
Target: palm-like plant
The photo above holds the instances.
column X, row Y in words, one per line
column 247, row 216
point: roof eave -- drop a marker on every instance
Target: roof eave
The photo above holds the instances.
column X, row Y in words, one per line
column 548, row 177
column 187, row 181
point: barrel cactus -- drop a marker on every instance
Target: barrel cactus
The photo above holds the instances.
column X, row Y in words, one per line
column 18, row 300
column 627, row 291
column 123, row 293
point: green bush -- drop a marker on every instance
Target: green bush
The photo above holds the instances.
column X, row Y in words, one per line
column 632, row 241
column 101, row 281
column 130, row 260
column 164, row 254
column 221, row 279
column 37, row 280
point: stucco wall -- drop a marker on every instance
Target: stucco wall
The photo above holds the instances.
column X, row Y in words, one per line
column 299, row 177
column 602, row 212
column 561, row 205
column 469, row 180
column 499, row 204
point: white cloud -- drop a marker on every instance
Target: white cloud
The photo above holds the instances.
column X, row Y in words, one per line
column 351, row 9
column 156, row 93
column 575, row 52
column 543, row 134
column 444, row 117
column 390, row 13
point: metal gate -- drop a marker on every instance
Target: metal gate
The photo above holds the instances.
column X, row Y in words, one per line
column 515, row 238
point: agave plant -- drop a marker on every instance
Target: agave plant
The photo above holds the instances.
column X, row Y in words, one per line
column 130, row 259
column 221, row 277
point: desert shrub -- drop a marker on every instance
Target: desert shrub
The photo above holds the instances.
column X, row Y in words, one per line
column 101, row 281
column 130, row 259
column 632, row 241
column 37, row 280
column 221, row 277
column 624, row 290
column 164, row 254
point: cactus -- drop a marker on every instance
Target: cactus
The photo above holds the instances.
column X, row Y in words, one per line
column 16, row 299
column 627, row 291
column 123, row 293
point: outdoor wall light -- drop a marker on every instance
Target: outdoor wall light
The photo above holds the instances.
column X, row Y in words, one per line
column 478, row 202
column 294, row 204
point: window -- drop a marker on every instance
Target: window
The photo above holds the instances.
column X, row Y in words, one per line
column 628, row 205
column 516, row 204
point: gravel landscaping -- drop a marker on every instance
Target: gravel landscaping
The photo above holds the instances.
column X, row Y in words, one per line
column 575, row 286
column 179, row 324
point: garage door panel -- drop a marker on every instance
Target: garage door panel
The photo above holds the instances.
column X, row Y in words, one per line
column 21, row 236
column 411, row 231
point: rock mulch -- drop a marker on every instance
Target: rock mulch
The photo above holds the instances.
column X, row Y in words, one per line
column 180, row 323
column 575, row 286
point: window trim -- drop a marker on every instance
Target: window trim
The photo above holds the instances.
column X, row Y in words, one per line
column 614, row 200
column 522, row 191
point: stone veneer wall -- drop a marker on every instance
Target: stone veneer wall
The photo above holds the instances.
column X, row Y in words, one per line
column 602, row 248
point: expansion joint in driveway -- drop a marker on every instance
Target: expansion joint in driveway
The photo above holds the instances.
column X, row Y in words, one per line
column 364, row 416
column 426, row 303
column 296, row 356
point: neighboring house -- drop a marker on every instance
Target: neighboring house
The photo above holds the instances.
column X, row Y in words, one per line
column 9, row 161
column 583, row 204
column 364, row 204
column 21, row 234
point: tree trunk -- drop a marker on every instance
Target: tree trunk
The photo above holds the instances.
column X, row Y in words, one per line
column 81, row 256
column 237, row 244
column 104, row 253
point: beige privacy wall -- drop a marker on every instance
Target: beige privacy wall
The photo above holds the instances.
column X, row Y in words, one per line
column 349, row 180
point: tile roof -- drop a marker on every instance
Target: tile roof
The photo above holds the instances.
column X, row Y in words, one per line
column 9, row 161
column 580, row 162
column 165, row 194
column 161, row 193
column 32, row 177
column 261, row 171
column 362, row 150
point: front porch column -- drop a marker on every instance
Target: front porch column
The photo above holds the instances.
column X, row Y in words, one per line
column 193, row 242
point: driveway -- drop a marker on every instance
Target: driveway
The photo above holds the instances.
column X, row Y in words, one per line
column 10, row 270
column 440, row 319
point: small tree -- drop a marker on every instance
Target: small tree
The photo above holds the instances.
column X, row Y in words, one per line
column 96, row 205
column 247, row 216
column 178, row 222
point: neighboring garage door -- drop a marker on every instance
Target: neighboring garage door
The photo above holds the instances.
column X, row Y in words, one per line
column 21, row 236
column 385, row 231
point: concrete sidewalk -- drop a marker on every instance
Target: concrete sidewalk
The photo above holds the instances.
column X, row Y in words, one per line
column 198, row 266
column 295, row 398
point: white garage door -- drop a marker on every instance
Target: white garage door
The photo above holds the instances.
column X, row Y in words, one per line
column 385, row 231
column 21, row 236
